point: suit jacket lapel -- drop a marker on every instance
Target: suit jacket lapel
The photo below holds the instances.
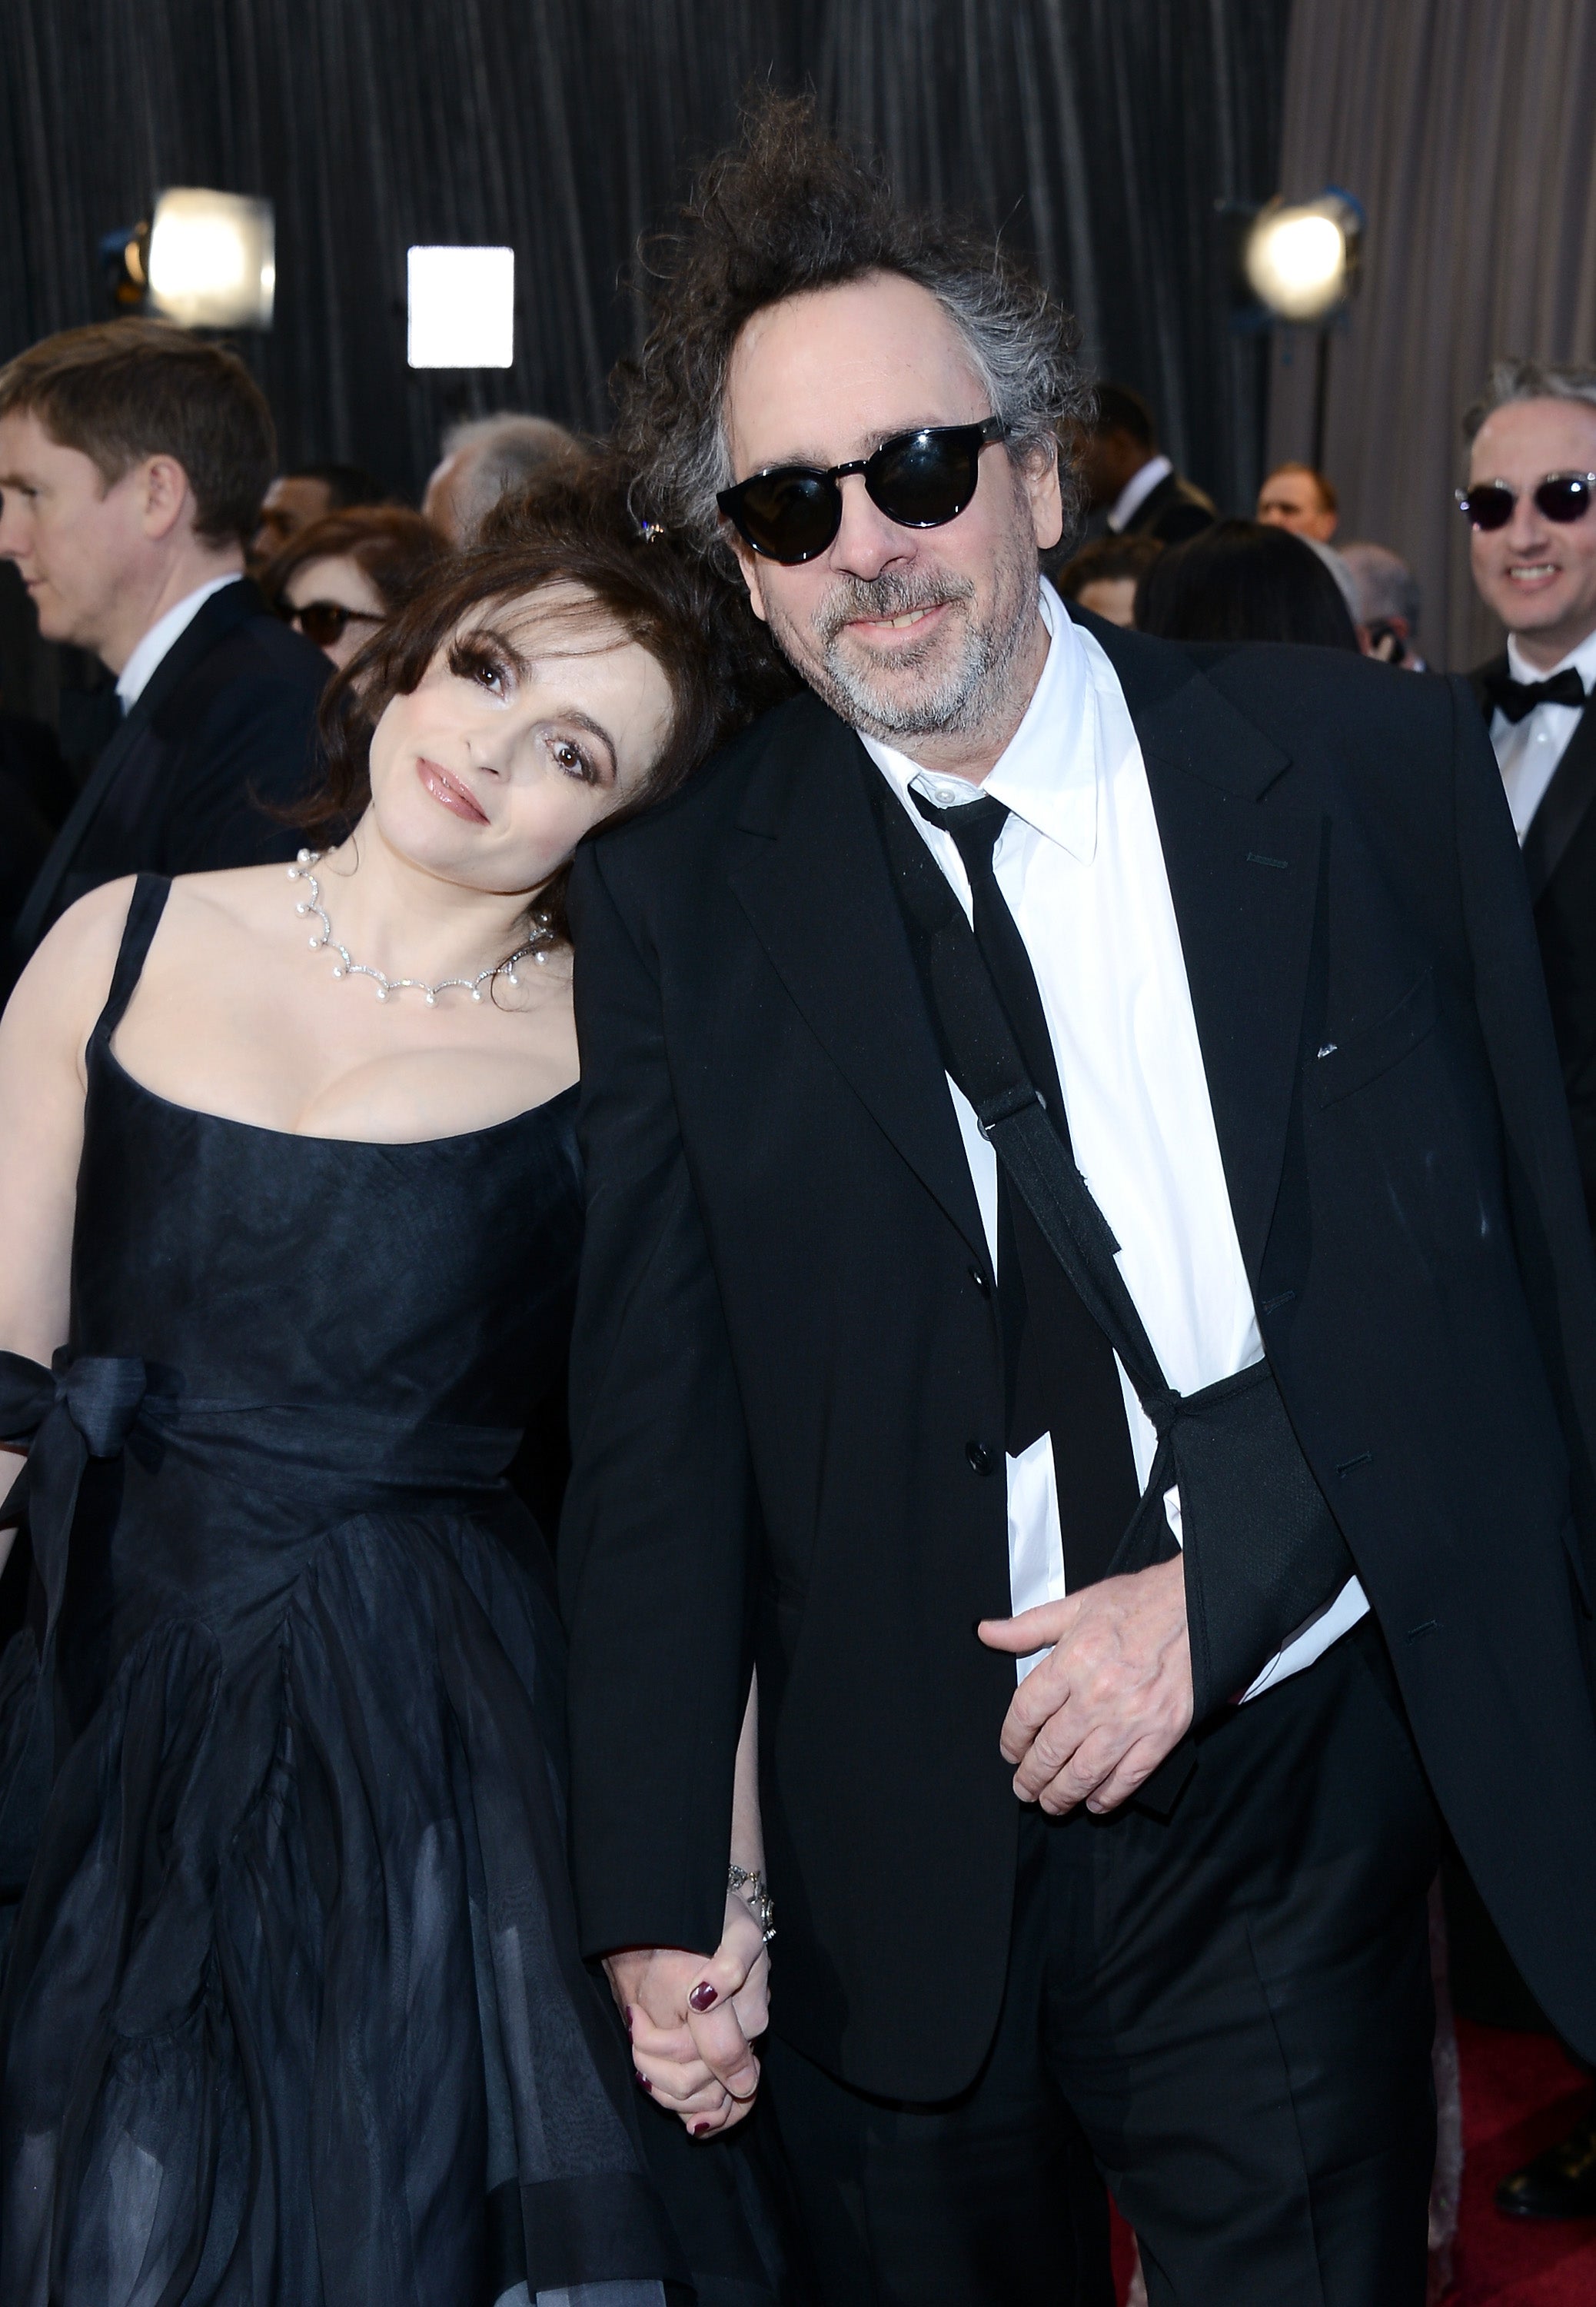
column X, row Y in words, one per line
column 216, row 616
column 1245, row 882
column 814, row 884
column 1563, row 806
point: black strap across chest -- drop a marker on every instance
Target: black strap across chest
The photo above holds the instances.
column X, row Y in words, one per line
column 1059, row 1367
column 1262, row 1551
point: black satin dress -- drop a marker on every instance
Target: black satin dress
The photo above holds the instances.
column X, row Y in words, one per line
column 292, row 2013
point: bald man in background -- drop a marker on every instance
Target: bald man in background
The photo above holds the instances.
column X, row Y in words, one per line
column 491, row 458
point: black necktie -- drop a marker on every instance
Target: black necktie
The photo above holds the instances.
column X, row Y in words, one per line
column 1061, row 1374
column 1516, row 698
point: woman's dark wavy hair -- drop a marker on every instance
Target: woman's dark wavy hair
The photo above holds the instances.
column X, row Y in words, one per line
column 576, row 529
column 787, row 211
column 1243, row 581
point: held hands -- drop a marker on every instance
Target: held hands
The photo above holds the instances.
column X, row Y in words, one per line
column 693, row 2019
column 1098, row 1715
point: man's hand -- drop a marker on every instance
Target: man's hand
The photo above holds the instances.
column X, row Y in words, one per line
column 693, row 2018
column 1095, row 1719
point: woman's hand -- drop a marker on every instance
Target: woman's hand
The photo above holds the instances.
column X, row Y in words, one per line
column 693, row 2021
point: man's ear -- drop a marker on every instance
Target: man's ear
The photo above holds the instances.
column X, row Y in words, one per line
column 1039, row 478
column 164, row 496
column 748, row 561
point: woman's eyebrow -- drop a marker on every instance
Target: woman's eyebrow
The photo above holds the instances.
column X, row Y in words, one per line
column 521, row 665
column 581, row 720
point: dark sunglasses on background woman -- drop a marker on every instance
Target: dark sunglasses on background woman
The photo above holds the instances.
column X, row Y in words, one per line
column 325, row 622
column 921, row 480
column 1560, row 496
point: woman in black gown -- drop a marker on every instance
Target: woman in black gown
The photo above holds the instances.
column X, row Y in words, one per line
column 293, row 2013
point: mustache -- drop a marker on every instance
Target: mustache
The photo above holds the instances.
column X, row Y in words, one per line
column 893, row 593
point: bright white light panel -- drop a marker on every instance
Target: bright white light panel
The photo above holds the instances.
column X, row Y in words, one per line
column 462, row 308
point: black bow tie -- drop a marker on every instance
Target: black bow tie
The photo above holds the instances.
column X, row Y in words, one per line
column 1517, row 698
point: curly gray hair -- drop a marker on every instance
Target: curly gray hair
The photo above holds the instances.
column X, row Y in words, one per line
column 782, row 213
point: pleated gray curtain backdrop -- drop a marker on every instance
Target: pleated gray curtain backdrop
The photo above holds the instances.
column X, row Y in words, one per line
column 1465, row 128
column 1098, row 135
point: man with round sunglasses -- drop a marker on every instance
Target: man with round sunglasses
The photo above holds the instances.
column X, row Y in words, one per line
column 1530, row 505
column 1061, row 1112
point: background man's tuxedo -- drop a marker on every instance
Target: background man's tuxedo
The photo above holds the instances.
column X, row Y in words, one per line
column 787, row 1379
column 1559, row 855
column 1171, row 512
column 224, row 725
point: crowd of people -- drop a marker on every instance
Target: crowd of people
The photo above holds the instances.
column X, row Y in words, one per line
column 1003, row 1045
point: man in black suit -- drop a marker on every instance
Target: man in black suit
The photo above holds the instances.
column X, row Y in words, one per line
column 1078, row 1191
column 1128, row 476
column 1533, row 548
column 1534, row 434
column 132, row 460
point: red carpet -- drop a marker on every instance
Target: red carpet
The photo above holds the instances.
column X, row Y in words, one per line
column 1519, row 2094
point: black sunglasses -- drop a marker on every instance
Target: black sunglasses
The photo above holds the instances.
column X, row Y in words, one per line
column 920, row 480
column 325, row 622
column 1560, row 496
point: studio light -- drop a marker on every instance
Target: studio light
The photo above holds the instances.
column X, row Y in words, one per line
column 212, row 260
column 462, row 308
column 1301, row 260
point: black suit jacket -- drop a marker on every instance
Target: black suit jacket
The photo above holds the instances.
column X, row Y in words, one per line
column 785, row 1336
column 226, row 723
column 1171, row 512
column 1559, row 856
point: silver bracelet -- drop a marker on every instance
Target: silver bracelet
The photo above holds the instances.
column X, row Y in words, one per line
column 757, row 1896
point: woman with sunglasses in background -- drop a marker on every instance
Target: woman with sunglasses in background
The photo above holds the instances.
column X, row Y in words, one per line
column 341, row 576
column 292, row 2011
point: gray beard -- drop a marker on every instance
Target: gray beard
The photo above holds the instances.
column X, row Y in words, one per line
column 960, row 698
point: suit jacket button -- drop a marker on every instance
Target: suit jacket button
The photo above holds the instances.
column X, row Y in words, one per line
column 978, row 1278
column 982, row 1460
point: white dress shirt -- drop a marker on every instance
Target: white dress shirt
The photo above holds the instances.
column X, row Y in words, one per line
column 1081, row 868
column 134, row 677
column 1528, row 751
column 1137, row 490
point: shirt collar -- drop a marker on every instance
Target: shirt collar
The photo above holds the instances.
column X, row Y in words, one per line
column 1047, row 773
column 1137, row 489
column 135, row 675
column 1583, row 659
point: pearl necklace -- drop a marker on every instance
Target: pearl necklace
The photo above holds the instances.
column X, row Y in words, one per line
column 345, row 967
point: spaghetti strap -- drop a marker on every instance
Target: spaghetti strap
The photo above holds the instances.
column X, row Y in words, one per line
column 151, row 892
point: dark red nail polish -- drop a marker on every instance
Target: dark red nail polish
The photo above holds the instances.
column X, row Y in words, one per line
column 629, row 2018
column 699, row 2128
column 644, row 2083
column 703, row 1995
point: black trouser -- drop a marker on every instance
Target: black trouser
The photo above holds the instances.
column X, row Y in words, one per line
column 1235, row 2007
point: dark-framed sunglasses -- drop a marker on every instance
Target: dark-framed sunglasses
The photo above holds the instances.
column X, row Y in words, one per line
column 1560, row 496
column 325, row 622
column 921, row 480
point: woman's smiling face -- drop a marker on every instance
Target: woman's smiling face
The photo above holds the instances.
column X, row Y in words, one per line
column 536, row 719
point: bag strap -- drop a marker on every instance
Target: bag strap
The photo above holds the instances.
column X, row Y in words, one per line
column 982, row 1055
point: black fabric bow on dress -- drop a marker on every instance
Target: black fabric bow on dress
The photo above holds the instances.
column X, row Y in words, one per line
column 1517, row 699
column 79, row 1409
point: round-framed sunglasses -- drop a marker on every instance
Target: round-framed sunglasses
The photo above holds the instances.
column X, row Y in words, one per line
column 921, row 480
column 325, row 622
column 1560, row 496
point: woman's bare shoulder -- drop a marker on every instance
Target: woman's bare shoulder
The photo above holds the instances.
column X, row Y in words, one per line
column 64, row 987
